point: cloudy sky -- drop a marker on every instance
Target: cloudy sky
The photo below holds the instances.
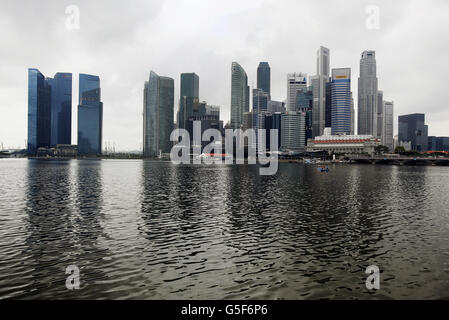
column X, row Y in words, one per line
column 121, row 41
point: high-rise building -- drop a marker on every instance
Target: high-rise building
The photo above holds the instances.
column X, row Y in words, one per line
column 264, row 78
column 341, row 101
column 273, row 122
column 438, row 143
column 367, row 94
column 239, row 95
column 61, row 109
column 387, row 134
column 90, row 115
column 319, row 82
column 158, row 105
column 304, row 103
column 293, row 131
column 380, row 115
column 352, row 115
column 295, row 82
column 275, row 106
column 260, row 101
column 39, row 111
column 412, row 129
column 188, row 98
column 328, row 112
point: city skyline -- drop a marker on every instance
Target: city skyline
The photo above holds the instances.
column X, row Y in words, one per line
column 122, row 82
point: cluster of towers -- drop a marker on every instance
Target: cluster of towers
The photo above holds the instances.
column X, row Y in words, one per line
column 50, row 113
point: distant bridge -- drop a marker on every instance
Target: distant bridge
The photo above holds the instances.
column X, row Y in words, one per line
column 404, row 160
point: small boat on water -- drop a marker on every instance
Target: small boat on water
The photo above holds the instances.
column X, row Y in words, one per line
column 323, row 169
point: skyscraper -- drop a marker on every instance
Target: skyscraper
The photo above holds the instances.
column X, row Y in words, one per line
column 412, row 128
column 367, row 94
column 61, row 109
column 90, row 115
column 188, row 98
column 387, row 135
column 319, row 82
column 264, row 78
column 239, row 95
column 158, row 111
column 260, row 100
column 293, row 131
column 341, row 101
column 39, row 111
column 304, row 103
column 295, row 83
column 380, row 115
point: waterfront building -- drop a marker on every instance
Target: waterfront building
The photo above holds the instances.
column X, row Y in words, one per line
column 61, row 109
column 188, row 98
column 412, row 128
column 367, row 95
column 209, row 118
column 388, row 125
column 438, row 143
column 260, row 100
column 239, row 95
column 293, row 131
column 319, row 84
column 343, row 144
column 352, row 115
column 295, row 82
column 264, row 78
column 39, row 111
column 158, row 105
column 90, row 115
column 341, row 101
column 380, row 115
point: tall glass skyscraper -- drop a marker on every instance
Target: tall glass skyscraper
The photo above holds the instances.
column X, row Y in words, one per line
column 412, row 128
column 367, row 94
column 295, row 82
column 319, row 83
column 264, row 77
column 61, row 109
column 90, row 115
column 158, row 112
column 260, row 100
column 341, row 101
column 188, row 98
column 239, row 95
column 39, row 111
column 387, row 135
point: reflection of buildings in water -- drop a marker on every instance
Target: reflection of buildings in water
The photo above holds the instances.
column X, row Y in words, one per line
column 49, row 226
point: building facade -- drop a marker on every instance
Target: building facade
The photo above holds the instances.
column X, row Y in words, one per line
column 367, row 95
column 412, row 129
column 158, row 105
column 239, row 95
column 264, row 78
column 319, row 84
column 90, row 115
column 295, row 82
column 388, row 125
column 188, row 98
column 344, row 144
column 341, row 101
column 293, row 131
column 260, row 100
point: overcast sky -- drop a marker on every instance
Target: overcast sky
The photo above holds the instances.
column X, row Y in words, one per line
column 121, row 41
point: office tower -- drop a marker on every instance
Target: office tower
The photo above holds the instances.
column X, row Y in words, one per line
column 295, row 82
column 304, row 103
column 158, row 105
column 188, row 98
column 328, row 112
column 39, row 111
column 438, row 143
column 208, row 116
column 260, row 101
column 275, row 106
column 61, row 109
column 352, row 115
column 264, row 78
column 239, row 95
column 387, row 133
column 319, row 82
column 412, row 129
column 273, row 122
column 380, row 115
column 293, row 131
column 367, row 94
column 90, row 115
column 341, row 101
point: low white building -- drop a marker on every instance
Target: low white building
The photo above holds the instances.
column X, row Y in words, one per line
column 346, row 144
